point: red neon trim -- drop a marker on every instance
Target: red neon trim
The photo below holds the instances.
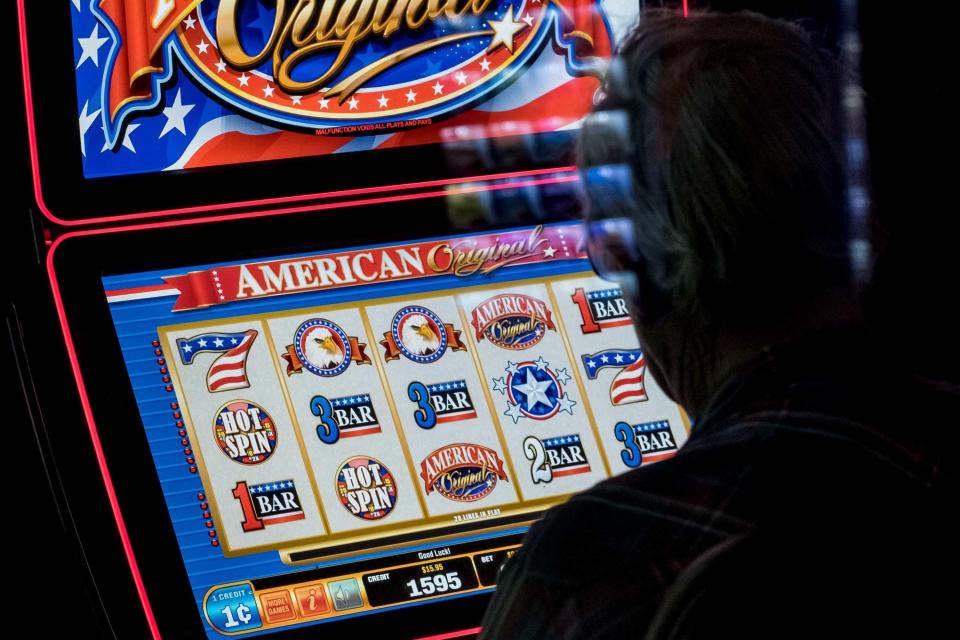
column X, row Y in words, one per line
column 321, row 207
column 326, row 195
column 81, row 387
column 98, row 448
column 453, row 634
column 686, row 9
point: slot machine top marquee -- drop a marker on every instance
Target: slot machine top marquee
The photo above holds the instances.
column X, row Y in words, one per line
column 327, row 307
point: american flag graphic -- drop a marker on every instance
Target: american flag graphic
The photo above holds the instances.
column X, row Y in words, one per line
column 627, row 385
column 229, row 370
column 186, row 128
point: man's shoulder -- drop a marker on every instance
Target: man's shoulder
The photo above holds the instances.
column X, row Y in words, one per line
column 656, row 515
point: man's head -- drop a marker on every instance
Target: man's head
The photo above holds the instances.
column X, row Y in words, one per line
column 730, row 127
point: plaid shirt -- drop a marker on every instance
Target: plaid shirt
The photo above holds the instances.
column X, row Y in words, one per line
column 823, row 442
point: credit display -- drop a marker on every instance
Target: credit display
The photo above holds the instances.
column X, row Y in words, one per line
column 355, row 430
column 178, row 84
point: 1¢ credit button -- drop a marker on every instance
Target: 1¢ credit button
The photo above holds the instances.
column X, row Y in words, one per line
column 312, row 600
column 277, row 606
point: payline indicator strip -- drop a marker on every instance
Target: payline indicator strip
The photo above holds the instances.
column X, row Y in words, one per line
column 242, row 607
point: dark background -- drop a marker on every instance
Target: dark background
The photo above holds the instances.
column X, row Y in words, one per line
column 905, row 70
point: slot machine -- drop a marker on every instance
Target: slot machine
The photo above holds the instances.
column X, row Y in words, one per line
column 332, row 338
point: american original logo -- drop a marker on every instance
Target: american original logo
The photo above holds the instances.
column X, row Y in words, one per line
column 462, row 472
column 555, row 457
column 345, row 417
column 512, row 321
column 327, row 63
column 462, row 257
column 324, row 349
column 601, row 309
column 268, row 504
column 441, row 402
column 245, row 432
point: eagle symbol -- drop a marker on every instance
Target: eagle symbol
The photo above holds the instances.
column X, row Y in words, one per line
column 322, row 349
column 418, row 335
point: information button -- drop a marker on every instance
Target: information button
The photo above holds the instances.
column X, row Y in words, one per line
column 312, row 600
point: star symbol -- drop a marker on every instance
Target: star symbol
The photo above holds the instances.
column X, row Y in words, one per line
column 541, row 363
column 593, row 364
column 382, row 101
column 499, row 385
column 604, row 358
column 504, row 30
column 562, row 375
column 202, row 342
column 618, row 357
column 221, row 66
column 218, row 342
column 461, row 78
column 233, row 341
column 86, row 121
column 566, row 404
column 548, row 252
column 268, row 91
column 127, row 141
column 187, row 348
column 190, row 22
column 353, row 102
column 528, row 19
column 90, row 47
column 244, row 79
column 485, row 65
column 175, row 115
column 324, row 103
column 437, row 88
column 411, row 96
column 295, row 99
column 513, row 411
column 203, row 46
column 535, row 391
column 512, row 368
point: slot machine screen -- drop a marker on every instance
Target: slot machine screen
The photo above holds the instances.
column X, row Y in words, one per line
column 346, row 432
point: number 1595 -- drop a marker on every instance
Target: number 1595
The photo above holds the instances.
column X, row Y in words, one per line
column 437, row 583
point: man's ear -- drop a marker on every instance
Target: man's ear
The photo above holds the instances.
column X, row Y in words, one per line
column 650, row 301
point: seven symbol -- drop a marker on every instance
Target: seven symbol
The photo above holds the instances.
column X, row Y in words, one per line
column 627, row 385
column 228, row 371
